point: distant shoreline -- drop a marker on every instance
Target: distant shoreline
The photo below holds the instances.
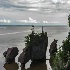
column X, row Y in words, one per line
column 38, row 25
column 35, row 24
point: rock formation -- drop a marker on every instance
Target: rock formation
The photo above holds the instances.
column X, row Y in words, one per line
column 10, row 54
column 52, row 51
column 36, row 46
column 53, row 47
column 24, row 56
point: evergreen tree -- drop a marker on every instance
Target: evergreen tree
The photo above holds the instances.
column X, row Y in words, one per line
column 61, row 60
column 69, row 20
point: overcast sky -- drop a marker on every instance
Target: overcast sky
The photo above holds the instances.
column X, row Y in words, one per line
column 39, row 10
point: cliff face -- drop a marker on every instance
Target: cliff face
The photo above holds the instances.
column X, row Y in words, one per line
column 39, row 51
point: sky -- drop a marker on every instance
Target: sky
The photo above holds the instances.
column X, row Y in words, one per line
column 34, row 11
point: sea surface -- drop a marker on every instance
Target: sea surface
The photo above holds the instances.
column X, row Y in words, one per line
column 14, row 36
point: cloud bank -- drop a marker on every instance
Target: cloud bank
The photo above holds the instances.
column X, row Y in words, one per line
column 40, row 10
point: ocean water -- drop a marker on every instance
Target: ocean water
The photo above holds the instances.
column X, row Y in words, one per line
column 13, row 36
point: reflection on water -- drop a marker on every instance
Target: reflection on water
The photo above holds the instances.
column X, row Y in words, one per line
column 40, row 66
column 12, row 66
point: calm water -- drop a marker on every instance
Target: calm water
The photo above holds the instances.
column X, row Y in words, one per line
column 13, row 36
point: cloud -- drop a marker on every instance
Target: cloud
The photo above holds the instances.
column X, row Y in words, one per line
column 5, row 21
column 30, row 20
column 36, row 5
column 41, row 10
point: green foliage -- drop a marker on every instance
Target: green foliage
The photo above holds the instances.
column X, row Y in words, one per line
column 58, row 63
column 35, row 39
column 62, row 56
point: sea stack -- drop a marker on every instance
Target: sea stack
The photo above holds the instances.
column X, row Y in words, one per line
column 10, row 54
column 36, row 46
